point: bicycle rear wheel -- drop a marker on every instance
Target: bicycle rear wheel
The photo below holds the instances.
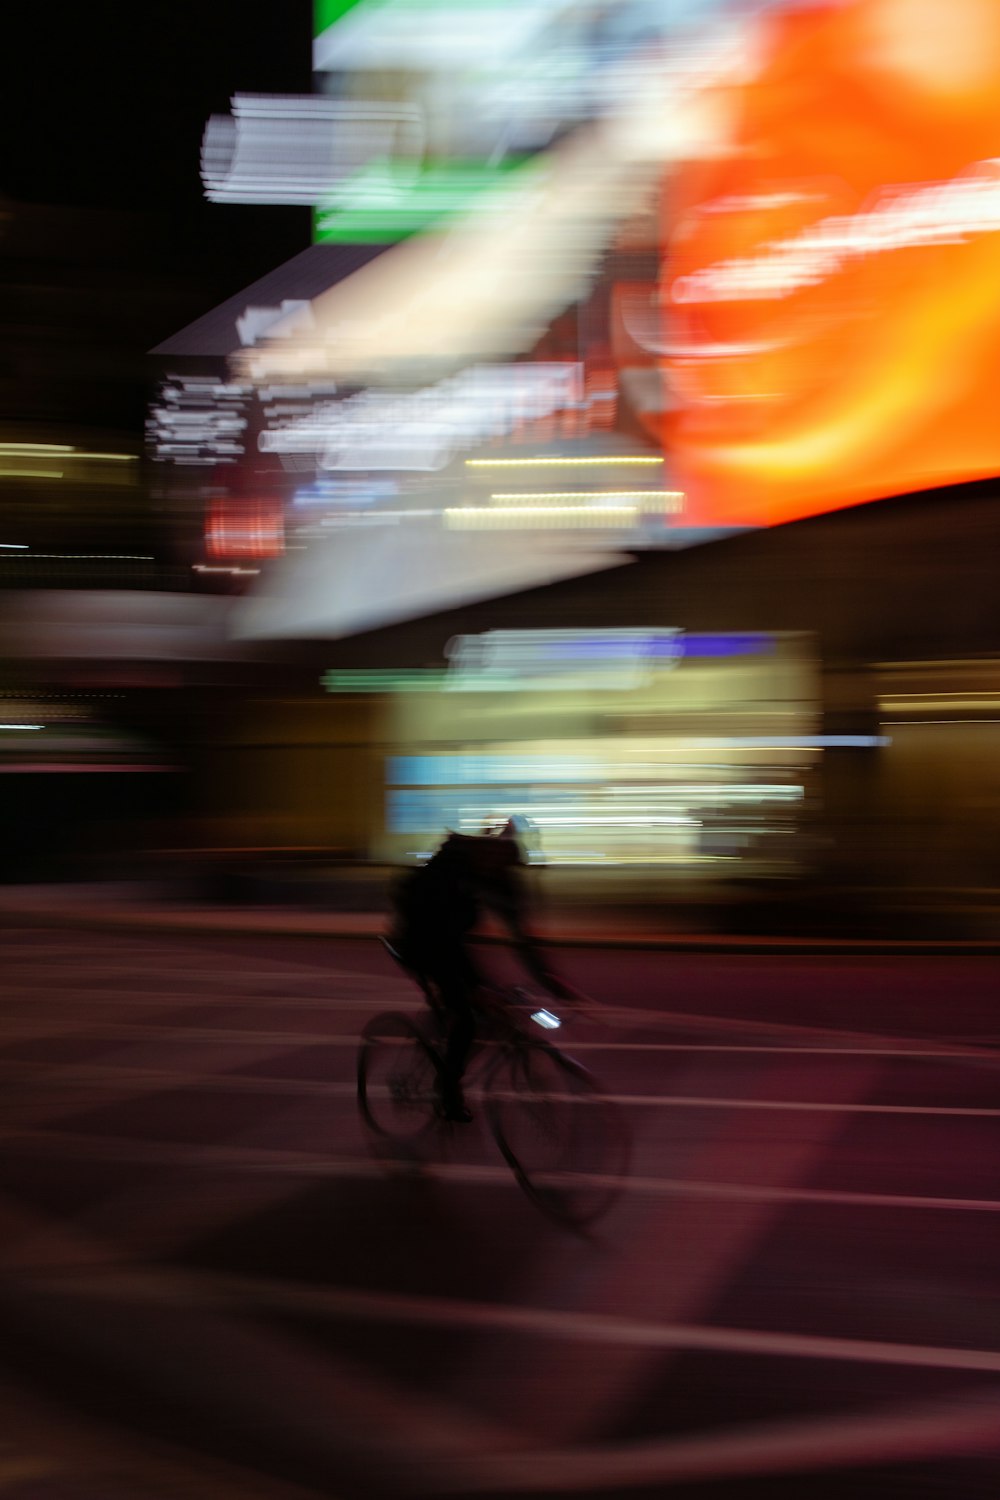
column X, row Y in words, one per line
column 567, row 1145
column 397, row 1074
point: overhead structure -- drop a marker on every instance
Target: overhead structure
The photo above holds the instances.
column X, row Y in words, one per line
column 363, row 580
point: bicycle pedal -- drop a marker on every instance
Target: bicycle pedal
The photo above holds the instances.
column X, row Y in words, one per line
column 457, row 1115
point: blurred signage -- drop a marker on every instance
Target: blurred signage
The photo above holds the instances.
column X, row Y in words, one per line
column 384, row 680
column 237, row 526
column 301, row 148
column 386, row 200
column 491, row 770
column 326, row 494
column 425, row 429
column 499, row 661
column 199, row 420
column 425, row 104
column 832, row 308
column 543, row 660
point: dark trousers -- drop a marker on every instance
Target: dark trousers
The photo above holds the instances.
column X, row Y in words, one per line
column 452, row 971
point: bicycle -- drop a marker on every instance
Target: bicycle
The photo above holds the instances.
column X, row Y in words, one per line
column 565, row 1142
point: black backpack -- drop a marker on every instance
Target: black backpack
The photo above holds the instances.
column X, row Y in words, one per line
column 439, row 894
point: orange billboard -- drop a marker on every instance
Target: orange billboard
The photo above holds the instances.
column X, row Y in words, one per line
column 831, row 277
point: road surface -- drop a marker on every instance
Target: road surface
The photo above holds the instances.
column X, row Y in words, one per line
column 212, row 1286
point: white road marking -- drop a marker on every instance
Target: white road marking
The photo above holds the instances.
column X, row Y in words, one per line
column 141, row 973
column 263, row 1161
column 112, row 1076
column 158, row 1031
column 825, row 1039
column 578, row 1326
column 910, row 1434
column 109, row 1076
column 957, row 1054
column 163, row 998
column 681, row 1101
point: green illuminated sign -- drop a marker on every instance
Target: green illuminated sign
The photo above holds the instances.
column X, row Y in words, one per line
column 387, row 201
column 385, row 680
column 329, row 12
column 429, row 50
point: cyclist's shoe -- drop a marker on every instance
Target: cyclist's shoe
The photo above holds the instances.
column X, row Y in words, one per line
column 453, row 1108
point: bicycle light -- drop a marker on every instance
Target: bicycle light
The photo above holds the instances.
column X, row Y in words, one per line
column 547, row 1019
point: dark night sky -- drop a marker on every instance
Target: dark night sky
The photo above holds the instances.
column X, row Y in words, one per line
column 105, row 108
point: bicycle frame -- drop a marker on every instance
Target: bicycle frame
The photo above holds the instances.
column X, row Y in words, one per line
column 564, row 1141
column 499, row 1033
column 491, row 1005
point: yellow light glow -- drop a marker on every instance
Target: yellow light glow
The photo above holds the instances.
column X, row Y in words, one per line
column 60, row 451
column 30, row 473
column 93, row 556
column 476, row 517
column 40, row 448
column 118, row 458
column 562, row 463
column 936, row 701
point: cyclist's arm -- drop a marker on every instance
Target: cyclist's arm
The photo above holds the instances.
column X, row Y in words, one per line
column 508, row 900
column 510, row 903
column 537, row 963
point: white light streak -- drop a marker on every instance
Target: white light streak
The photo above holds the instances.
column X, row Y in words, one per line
column 254, row 323
column 299, row 148
column 39, row 448
column 791, row 742
column 427, row 428
column 546, row 1018
column 648, row 497
column 946, row 213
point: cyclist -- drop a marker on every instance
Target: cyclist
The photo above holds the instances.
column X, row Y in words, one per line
column 436, row 909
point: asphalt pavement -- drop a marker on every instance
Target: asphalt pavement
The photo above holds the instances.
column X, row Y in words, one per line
column 213, row 1284
column 358, row 910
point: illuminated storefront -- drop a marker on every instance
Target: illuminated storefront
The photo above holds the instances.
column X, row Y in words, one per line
column 619, row 747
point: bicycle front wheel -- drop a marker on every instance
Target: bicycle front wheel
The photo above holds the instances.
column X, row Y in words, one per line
column 397, row 1075
column 566, row 1143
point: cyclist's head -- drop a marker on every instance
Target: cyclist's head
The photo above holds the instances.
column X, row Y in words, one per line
column 517, row 831
column 514, row 827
